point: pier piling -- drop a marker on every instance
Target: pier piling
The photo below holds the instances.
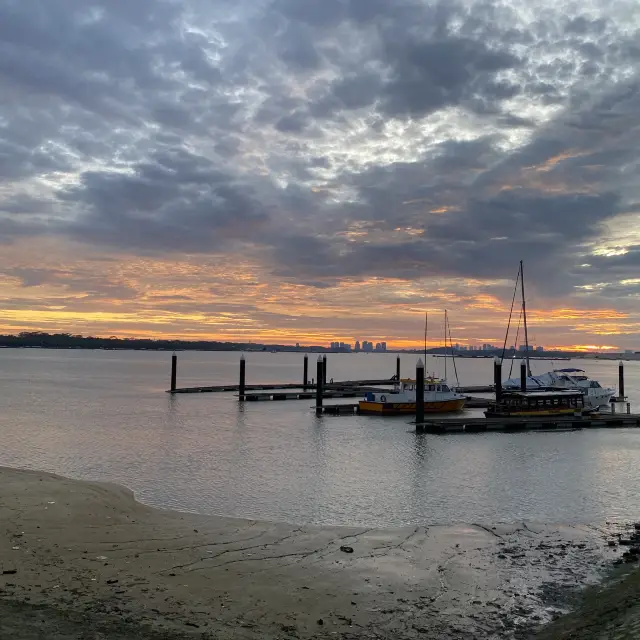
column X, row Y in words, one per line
column 497, row 378
column 174, row 371
column 305, row 372
column 243, row 371
column 523, row 376
column 324, row 370
column 621, row 380
column 398, row 368
column 420, row 396
column 320, row 373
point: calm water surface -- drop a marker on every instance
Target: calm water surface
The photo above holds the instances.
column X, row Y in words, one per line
column 104, row 415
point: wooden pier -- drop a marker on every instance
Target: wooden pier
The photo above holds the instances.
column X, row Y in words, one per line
column 266, row 387
column 300, row 395
column 561, row 423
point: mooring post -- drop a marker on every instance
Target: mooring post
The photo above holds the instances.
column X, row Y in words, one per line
column 420, row 396
column 613, row 405
column 628, row 408
column 319, row 385
column 174, row 371
column 621, row 380
column 305, row 372
column 523, row 376
column 324, row 370
column 243, row 371
column 497, row 377
column 398, row 368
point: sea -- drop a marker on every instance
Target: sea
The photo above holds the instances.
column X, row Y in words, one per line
column 105, row 415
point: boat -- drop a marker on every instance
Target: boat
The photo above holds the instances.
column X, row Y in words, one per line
column 532, row 404
column 595, row 395
column 438, row 398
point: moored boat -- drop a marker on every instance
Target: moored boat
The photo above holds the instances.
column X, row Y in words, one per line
column 438, row 398
column 595, row 395
column 525, row 404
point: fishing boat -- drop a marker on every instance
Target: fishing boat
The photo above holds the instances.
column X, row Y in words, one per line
column 521, row 404
column 438, row 398
column 595, row 395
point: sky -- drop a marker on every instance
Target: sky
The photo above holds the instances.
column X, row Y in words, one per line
column 286, row 171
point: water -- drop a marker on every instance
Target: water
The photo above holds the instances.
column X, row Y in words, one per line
column 104, row 415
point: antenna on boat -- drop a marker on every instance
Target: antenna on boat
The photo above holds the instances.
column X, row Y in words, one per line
column 524, row 316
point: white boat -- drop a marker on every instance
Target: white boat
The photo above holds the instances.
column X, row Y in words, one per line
column 595, row 395
column 438, row 398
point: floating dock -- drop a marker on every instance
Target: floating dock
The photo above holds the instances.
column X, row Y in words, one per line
column 267, row 387
column 566, row 423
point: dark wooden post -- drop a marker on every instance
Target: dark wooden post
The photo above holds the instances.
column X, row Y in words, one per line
column 398, row 368
column 243, row 371
column 324, row 370
column 621, row 380
column 523, row 376
column 305, row 372
column 174, row 371
column 420, row 396
column 319, row 385
column 497, row 378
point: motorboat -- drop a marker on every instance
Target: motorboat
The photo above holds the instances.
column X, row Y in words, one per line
column 533, row 404
column 438, row 398
column 595, row 395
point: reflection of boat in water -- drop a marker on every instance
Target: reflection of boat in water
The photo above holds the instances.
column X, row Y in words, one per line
column 438, row 398
column 531, row 404
column 594, row 394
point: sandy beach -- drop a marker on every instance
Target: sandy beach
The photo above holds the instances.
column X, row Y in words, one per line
column 85, row 555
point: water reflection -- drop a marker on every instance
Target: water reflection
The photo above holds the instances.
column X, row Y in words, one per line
column 105, row 415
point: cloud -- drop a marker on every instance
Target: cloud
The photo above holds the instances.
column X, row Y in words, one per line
column 328, row 140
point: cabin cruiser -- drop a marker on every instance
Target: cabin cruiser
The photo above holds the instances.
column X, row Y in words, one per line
column 531, row 404
column 594, row 394
column 438, row 398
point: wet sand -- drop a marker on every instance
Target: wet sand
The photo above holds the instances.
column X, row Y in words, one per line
column 85, row 555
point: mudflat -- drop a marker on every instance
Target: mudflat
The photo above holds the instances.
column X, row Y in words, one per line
column 85, row 558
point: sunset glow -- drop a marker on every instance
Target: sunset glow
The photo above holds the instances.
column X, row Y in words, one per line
column 179, row 171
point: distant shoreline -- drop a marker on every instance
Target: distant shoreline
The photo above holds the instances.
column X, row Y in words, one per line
column 39, row 340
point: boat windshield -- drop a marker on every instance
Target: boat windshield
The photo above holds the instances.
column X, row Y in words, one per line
column 445, row 387
column 595, row 385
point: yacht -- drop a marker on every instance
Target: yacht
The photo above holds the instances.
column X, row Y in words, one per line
column 595, row 395
column 438, row 398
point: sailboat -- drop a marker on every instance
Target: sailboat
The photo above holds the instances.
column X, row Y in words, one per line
column 570, row 379
column 439, row 397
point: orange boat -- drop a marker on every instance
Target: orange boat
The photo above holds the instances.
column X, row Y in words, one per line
column 438, row 398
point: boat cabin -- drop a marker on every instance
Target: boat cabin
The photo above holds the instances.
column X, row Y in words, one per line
column 430, row 384
column 536, row 403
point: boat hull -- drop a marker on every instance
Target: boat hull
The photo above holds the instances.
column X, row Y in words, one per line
column 409, row 408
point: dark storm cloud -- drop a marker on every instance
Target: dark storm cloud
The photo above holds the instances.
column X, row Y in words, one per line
column 543, row 203
column 176, row 201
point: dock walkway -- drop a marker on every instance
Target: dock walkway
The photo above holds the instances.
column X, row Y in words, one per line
column 476, row 425
column 267, row 387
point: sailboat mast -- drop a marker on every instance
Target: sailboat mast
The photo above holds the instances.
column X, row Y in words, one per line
column 524, row 316
column 445, row 344
column 426, row 324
